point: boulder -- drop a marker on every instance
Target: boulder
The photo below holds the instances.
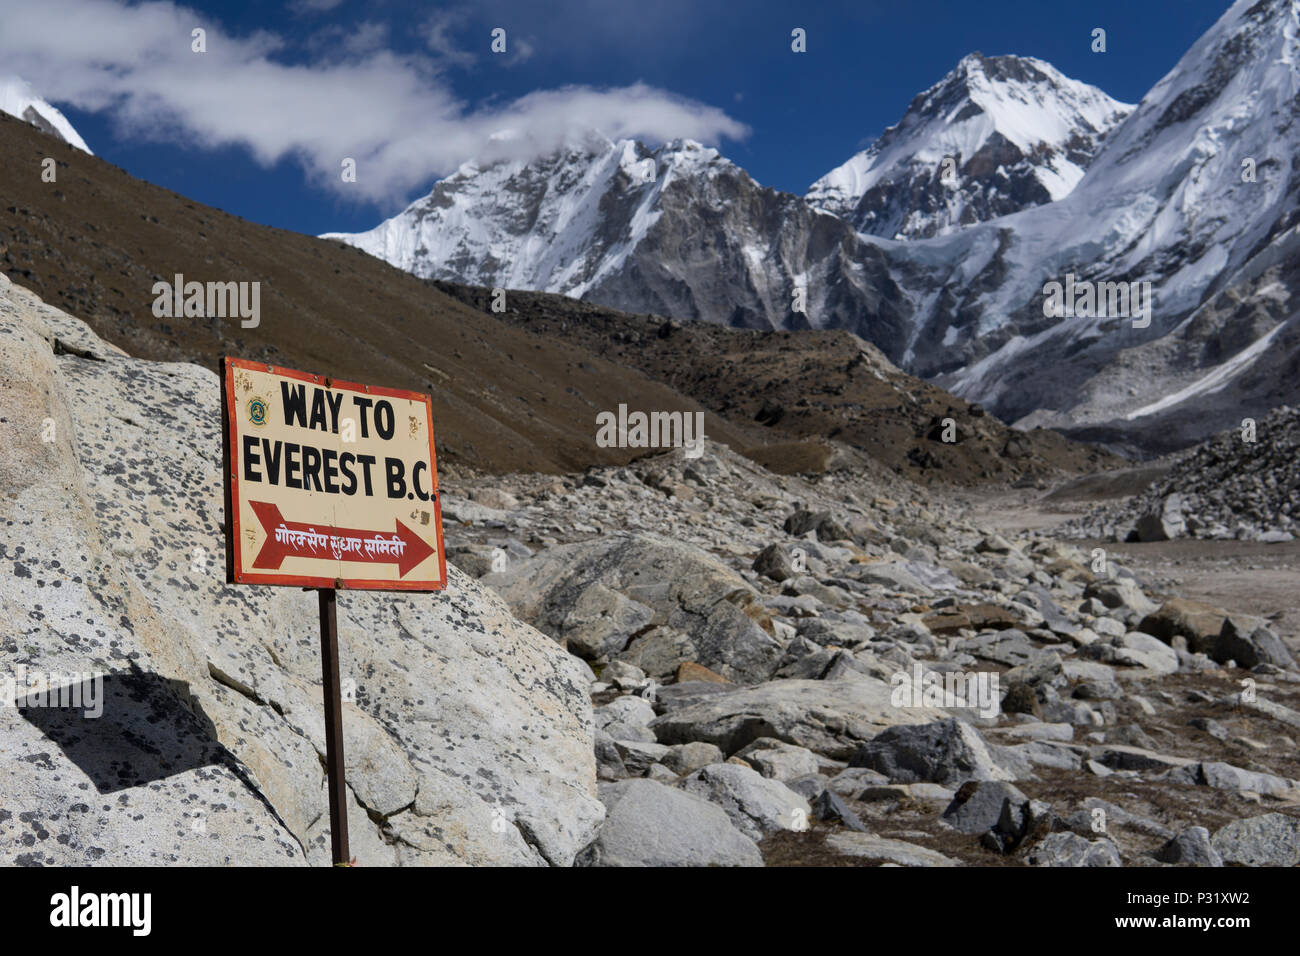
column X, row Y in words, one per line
column 1269, row 840
column 946, row 752
column 1192, row 846
column 774, row 562
column 1070, row 849
column 651, row 824
column 626, row 718
column 897, row 852
column 831, row 718
column 755, row 805
column 978, row 805
column 1121, row 593
column 779, row 760
column 658, row 581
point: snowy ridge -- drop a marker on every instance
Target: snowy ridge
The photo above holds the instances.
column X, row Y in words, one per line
column 17, row 99
column 544, row 224
column 1017, row 131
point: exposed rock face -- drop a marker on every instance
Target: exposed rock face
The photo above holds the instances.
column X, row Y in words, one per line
column 470, row 737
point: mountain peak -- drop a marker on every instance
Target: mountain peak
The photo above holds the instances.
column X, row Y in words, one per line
column 996, row 135
column 18, row 100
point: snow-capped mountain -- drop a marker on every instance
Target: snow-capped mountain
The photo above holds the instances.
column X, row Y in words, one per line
column 17, row 99
column 678, row 230
column 996, row 135
column 1194, row 192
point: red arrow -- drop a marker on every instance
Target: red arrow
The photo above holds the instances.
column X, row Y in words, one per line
column 297, row 539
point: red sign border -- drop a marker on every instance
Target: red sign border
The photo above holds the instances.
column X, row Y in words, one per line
column 234, row 545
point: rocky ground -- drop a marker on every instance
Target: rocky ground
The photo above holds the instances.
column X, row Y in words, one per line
column 676, row 661
column 752, row 637
column 1243, row 484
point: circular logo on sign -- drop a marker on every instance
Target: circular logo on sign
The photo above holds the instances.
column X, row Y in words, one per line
column 257, row 411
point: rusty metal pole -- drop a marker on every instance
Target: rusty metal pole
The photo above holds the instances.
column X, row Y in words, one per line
column 329, row 656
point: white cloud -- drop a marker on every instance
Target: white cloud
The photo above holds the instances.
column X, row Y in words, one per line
column 436, row 30
column 392, row 113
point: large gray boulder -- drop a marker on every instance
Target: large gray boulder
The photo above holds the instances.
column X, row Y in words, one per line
column 755, row 804
column 651, row 824
column 946, row 751
column 1269, row 840
column 832, row 718
column 1070, row 849
column 561, row 589
column 208, row 751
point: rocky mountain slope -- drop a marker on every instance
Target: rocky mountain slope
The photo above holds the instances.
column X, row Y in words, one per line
column 1243, row 484
column 1017, row 132
column 1194, row 193
column 827, row 392
column 678, row 231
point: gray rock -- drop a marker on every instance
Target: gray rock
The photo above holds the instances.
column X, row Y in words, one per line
column 831, row 808
column 852, row 781
column 1010, row 647
column 637, row 756
column 755, row 805
column 1018, row 821
column 1250, row 642
column 1269, row 840
column 626, row 718
column 809, row 786
column 831, row 718
column 779, row 760
column 682, row 586
column 650, row 824
column 947, row 751
column 891, row 851
column 659, row 651
column 609, row 762
column 1164, row 523
column 978, row 805
column 774, row 562
column 1191, row 846
column 1070, row 849
column 685, row 758
column 1121, row 593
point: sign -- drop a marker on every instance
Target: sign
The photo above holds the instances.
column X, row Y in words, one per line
column 329, row 484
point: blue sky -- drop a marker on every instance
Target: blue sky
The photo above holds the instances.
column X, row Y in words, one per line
column 256, row 125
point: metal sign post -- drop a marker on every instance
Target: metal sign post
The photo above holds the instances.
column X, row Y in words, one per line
column 329, row 660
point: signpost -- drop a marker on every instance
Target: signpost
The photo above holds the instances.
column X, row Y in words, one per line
column 329, row 485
